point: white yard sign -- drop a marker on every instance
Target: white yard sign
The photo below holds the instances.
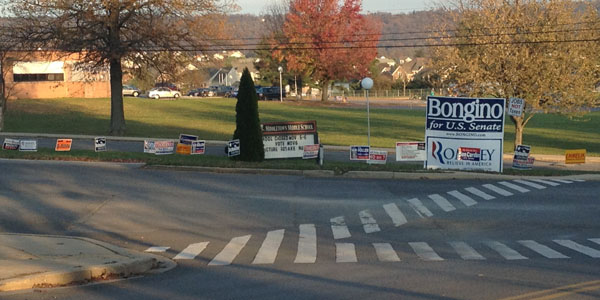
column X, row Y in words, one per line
column 515, row 107
column 464, row 133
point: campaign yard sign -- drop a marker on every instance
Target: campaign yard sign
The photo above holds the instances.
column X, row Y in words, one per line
column 521, row 159
column 198, row 147
column 185, row 144
column 164, row 147
column 378, row 157
column 149, row 147
column 100, row 144
column 311, row 151
column 233, row 148
column 464, row 133
column 10, row 144
column 410, row 151
column 63, row 145
column 515, row 107
column 28, row 145
column 359, row 152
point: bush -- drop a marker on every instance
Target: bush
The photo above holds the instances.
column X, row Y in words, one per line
column 247, row 122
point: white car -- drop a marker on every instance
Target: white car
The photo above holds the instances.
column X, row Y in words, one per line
column 163, row 92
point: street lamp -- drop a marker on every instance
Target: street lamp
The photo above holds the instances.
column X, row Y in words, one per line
column 367, row 84
column 280, row 69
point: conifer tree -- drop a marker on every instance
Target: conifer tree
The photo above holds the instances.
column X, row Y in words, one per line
column 247, row 122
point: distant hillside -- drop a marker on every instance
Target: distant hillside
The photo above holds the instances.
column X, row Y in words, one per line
column 394, row 27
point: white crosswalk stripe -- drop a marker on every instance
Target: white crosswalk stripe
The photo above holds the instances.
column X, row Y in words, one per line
column 597, row 241
column 269, row 248
column 345, row 253
column 513, row 186
column 339, row 228
column 479, row 193
column 529, row 183
column 442, row 202
column 385, row 252
column 542, row 249
column 307, row 245
column 466, row 200
column 562, row 180
column 498, row 190
column 424, row 251
column 505, row 251
column 465, row 251
column 191, row 251
column 369, row 223
column 157, row 249
column 395, row 214
column 419, row 208
column 577, row 180
column 550, row 183
column 591, row 252
column 230, row 252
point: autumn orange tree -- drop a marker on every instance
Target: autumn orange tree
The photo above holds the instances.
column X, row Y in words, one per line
column 107, row 32
column 328, row 40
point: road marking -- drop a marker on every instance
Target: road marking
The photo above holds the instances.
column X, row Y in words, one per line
column 230, row 252
column 505, row 251
column 369, row 223
column 307, row 245
column 419, row 208
column 424, row 251
column 385, row 252
column 498, row 190
column 157, row 249
column 513, row 186
column 577, row 180
column 339, row 228
column 394, row 212
column 268, row 250
column 465, row 251
column 345, row 252
column 191, row 251
column 531, row 184
column 559, row 291
column 597, row 241
column 466, row 200
column 591, row 252
column 479, row 193
column 550, row 183
column 542, row 249
column 442, row 202
column 562, row 180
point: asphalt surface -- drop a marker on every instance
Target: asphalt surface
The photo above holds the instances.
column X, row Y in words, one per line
column 136, row 208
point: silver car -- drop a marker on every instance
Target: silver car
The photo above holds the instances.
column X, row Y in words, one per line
column 130, row 90
column 163, row 92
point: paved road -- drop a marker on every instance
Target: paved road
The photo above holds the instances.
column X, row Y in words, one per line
column 261, row 236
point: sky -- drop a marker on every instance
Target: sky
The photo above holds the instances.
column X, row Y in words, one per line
column 392, row 6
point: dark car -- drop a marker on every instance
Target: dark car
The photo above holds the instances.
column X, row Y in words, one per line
column 269, row 93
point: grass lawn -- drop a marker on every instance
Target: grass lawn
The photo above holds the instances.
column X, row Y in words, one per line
column 214, row 119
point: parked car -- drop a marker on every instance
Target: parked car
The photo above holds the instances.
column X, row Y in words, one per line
column 167, row 85
column 130, row 90
column 163, row 92
column 201, row 92
column 269, row 93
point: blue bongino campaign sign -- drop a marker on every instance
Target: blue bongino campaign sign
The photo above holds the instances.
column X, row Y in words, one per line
column 465, row 133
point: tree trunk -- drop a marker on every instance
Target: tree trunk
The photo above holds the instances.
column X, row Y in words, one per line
column 325, row 90
column 2, row 97
column 519, row 126
column 117, row 115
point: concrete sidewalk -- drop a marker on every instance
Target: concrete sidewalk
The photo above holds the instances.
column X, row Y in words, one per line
column 30, row 261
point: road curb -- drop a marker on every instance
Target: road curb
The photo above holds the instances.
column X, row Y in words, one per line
column 57, row 272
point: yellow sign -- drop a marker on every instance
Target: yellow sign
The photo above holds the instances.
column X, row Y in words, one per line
column 576, row 156
column 63, row 145
column 184, row 149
